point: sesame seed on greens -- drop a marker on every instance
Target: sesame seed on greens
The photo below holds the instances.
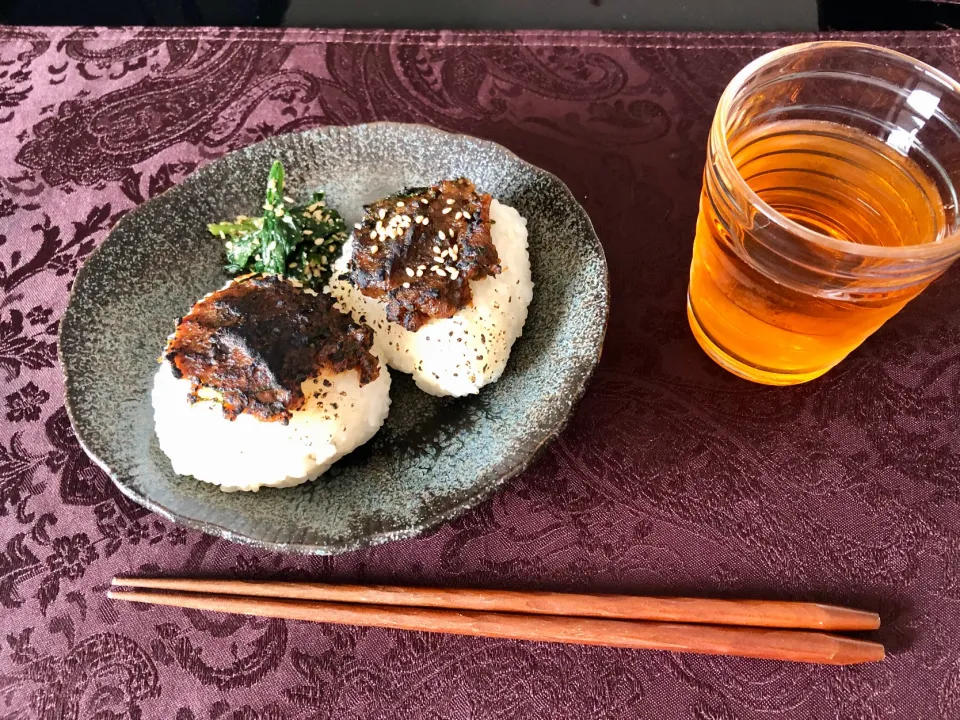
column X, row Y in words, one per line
column 294, row 241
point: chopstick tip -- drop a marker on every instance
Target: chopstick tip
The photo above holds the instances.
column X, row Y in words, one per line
column 875, row 653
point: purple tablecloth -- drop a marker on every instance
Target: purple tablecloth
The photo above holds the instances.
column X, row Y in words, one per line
column 673, row 476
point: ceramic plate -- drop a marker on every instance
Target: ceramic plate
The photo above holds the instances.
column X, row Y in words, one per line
column 434, row 457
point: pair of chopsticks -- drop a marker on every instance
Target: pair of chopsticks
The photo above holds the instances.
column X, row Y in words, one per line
column 767, row 629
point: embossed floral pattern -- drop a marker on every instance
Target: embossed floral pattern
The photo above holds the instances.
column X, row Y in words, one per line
column 71, row 556
column 39, row 315
column 26, row 403
column 673, row 477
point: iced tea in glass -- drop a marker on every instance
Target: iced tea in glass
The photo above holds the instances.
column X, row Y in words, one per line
column 829, row 202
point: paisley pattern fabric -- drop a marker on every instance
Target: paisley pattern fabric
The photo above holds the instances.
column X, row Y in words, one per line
column 673, row 477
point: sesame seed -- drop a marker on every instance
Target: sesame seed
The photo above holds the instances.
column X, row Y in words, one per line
column 438, row 258
column 308, row 232
column 450, row 201
column 442, row 235
column 400, row 204
column 436, row 249
column 454, row 273
column 374, row 249
column 446, row 210
column 373, row 234
column 292, row 265
column 418, row 219
column 409, row 272
column 382, row 214
column 288, row 199
column 419, row 273
column 406, row 285
column 318, row 241
column 323, row 259
column 267, row 206
column 434, row 267
column 426, row 221
column 449, row 269
column 458, row 215
column 421, row 267
column 440, row 272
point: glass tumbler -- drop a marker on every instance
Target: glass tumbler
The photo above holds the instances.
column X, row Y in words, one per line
column 829, row 201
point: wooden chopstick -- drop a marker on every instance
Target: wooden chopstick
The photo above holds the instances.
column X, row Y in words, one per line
column 748, row 613
column 792, row 645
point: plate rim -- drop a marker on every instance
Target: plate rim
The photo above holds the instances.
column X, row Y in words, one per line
column 215, row 529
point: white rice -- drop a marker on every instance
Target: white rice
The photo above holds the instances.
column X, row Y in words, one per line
column 457, row 355
column 247, row 453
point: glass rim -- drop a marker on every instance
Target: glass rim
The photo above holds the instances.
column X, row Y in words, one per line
column 930, row 250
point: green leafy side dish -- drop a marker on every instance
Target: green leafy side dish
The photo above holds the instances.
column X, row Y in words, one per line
column 300, row 242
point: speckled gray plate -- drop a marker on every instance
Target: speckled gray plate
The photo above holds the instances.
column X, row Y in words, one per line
column 434, row 458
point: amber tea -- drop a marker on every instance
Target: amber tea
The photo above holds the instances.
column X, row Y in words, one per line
column 813, row 232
